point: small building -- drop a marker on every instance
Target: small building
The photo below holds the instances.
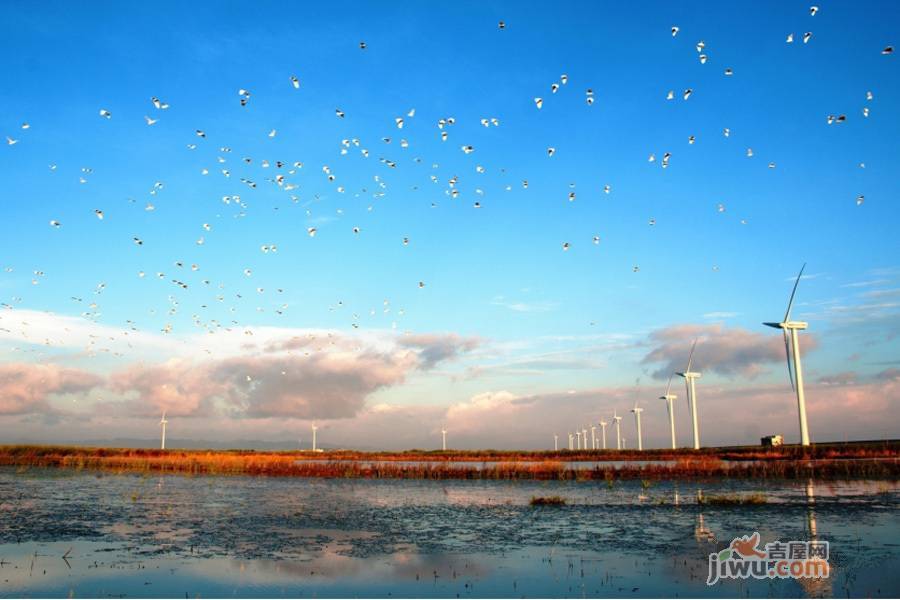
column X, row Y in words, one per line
column 772, row 440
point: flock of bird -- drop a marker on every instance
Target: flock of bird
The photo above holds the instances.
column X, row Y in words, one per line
column 283, row 175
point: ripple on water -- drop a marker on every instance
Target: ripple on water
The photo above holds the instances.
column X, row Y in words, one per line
column 353, row 529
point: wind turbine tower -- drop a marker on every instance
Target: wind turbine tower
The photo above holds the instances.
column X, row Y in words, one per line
column 571, row 441
column 444, row 440
column 603, row 425
column 689, row 378
column 617, row 420
column 792, row 349
column 578, row 436
column 314, row 429
column 670, row 398
column 555, row 443
column 593, row 437
column 637, row 420
column 163, row 423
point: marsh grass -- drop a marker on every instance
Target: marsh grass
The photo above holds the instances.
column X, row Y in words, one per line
column 814, row 462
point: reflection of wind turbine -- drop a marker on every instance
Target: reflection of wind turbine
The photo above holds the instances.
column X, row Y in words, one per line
column 603, row 425
column 792, row 349
column 617, row 419
column 314, row 429
column 811, row 515
column 163, row 422
column 817, row 586
column 702, row 533
column 444, row 440
column 689, row 377
column 637, row 420
column 670, row 398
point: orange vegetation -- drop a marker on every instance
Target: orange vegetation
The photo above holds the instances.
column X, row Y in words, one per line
column 873, row 460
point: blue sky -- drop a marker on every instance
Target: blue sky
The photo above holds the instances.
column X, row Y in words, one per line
column 581, row 319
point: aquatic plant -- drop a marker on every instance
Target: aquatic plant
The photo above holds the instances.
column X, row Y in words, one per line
column 547, row 501
column 732, row 499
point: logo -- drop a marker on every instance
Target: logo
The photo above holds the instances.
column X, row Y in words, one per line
column 777, row 560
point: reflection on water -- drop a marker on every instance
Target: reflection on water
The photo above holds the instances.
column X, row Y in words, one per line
column 578, row 465
column 480, row 465
column 816, row 587
column 702, row 533
column 811, row 512
column 245, row 536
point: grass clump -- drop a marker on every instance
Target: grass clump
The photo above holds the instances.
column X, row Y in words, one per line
column 548, row 501
column 733, row 499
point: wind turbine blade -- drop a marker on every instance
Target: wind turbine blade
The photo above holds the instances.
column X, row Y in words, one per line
column 691, row 357
column 669, row 384
column 787, row 315
column 787, row 354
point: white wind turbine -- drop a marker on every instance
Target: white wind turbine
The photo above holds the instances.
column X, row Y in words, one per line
column 792, row 349
column 637, row 421
column 617, row 419
column 670, row 398
column 443, row 439
column 314, row 429
column 603, row 425
column 163, row 423
column 689, row 377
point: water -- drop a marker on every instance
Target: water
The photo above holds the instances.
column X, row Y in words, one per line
column 491, row 464
column 577, row 465
column 67, row 533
